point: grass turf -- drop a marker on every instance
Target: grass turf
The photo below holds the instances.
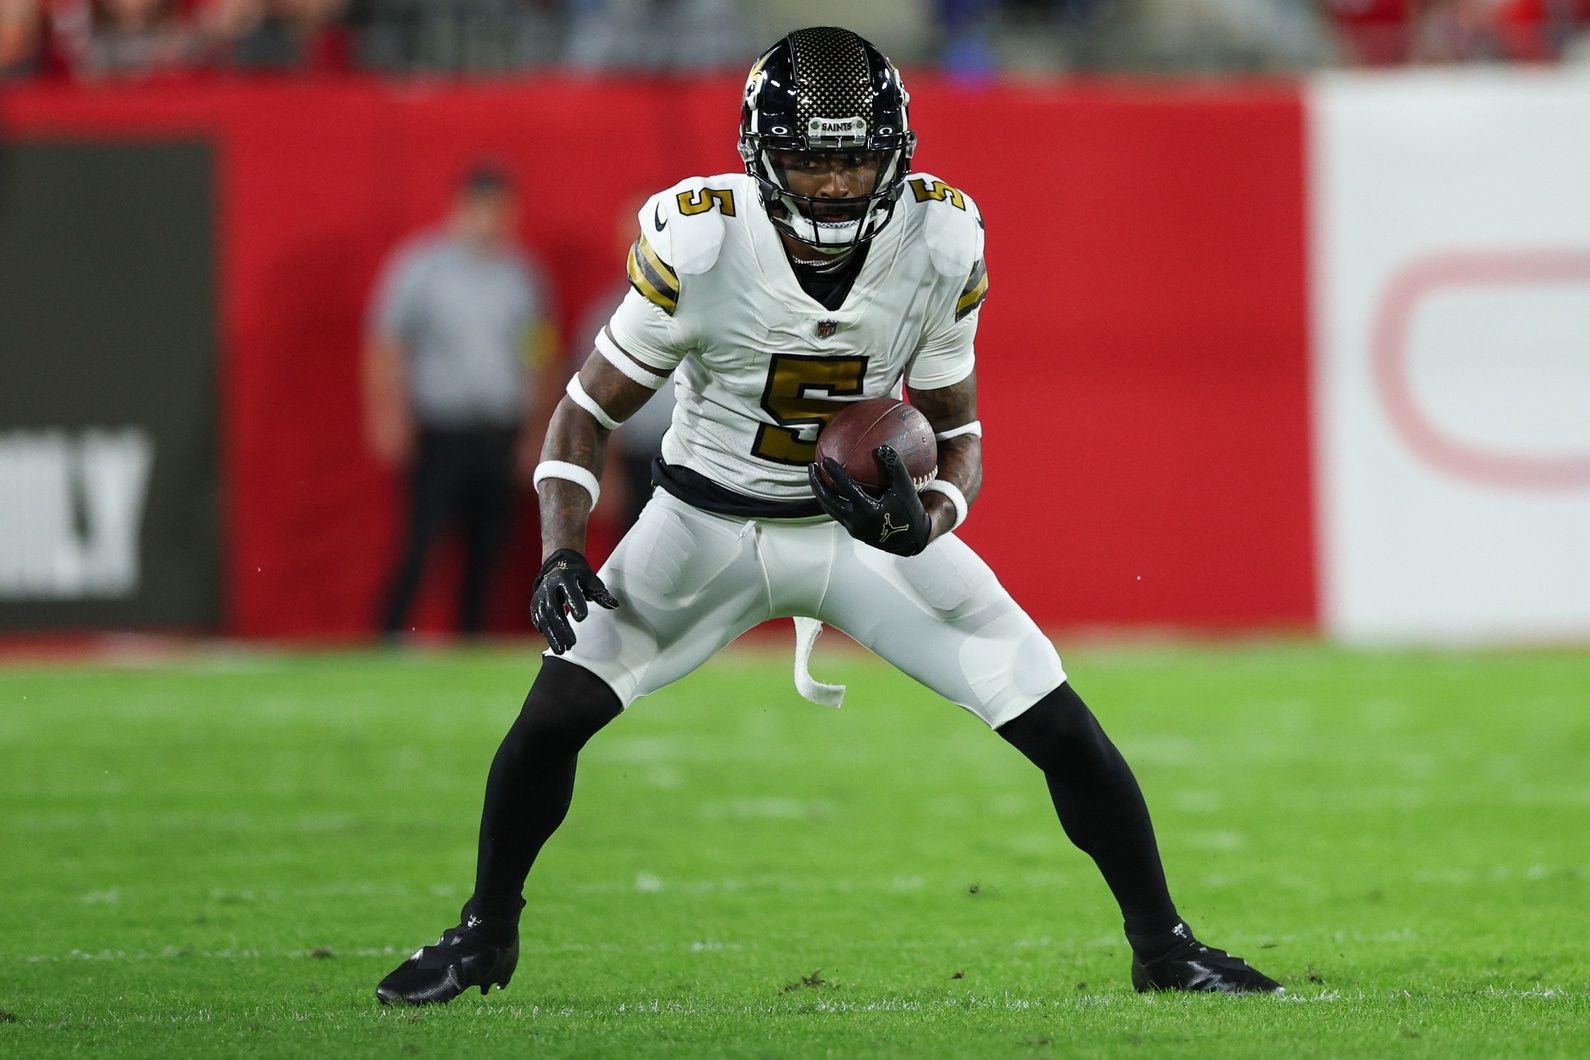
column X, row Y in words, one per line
column 223, row 854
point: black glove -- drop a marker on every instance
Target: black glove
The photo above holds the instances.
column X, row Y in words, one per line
column 895, row 522
column 566, row 581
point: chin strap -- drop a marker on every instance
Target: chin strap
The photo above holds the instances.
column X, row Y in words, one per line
column 807, row 630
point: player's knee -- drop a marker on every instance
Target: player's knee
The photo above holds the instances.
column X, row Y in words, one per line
column 566, row 706
column 1058, row 720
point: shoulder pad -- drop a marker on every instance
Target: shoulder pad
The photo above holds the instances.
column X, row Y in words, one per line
column 952, row 225
column 687, row 223
column 681, row 232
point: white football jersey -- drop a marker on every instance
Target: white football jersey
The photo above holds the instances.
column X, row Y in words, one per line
column 760, row 365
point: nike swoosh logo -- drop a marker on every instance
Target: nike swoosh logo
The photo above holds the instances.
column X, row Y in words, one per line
column 657, row 218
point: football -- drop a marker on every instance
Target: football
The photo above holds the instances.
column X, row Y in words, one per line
column 862, row 426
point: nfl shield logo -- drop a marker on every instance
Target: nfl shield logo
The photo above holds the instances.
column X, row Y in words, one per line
column 826, row 328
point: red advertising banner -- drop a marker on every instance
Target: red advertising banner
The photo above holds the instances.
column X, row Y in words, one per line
column 1142, row 364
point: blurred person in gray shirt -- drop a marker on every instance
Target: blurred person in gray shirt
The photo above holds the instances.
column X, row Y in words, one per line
column 458, row 364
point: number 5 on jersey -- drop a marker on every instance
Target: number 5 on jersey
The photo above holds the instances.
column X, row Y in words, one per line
column 701, row 200
column 799, row 396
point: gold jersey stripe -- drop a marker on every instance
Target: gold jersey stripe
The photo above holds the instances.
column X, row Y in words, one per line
column 658, row 295
column 975, row 291
column 669, row 279
column 979, row 272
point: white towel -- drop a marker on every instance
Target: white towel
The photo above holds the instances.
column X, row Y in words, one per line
column 807, row 630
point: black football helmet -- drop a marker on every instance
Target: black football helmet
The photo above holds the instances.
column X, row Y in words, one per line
column 826, row 90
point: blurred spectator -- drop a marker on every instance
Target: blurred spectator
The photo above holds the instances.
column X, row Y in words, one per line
column 1454, row 31
column 306, row 35
column 967, row 37
column 1394, row 32
column 124, row 38
column 458, row 380
column 460, row 36
column 1160, row 36
column 659, row 35
column 1206, row 36
column 1539, row 30
column 1374, row 32
column 965, row 26
column 21, row 33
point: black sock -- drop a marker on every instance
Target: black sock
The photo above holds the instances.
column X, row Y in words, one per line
column 1101, row 809
column 498, row 929
column 531, row 783
column 1158, row 943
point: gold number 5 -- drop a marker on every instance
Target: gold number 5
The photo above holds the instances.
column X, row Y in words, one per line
column 703, row 199
column 925, row 190
column 799, row 396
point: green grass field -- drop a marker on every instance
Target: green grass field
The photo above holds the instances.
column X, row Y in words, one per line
column 222, row 854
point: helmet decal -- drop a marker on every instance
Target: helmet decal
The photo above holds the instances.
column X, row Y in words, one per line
column 832, row 75
column 837, row 133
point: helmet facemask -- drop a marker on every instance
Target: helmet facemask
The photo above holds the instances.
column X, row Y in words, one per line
column 824, row 222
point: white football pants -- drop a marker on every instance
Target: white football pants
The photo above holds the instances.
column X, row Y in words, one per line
column 688, row 582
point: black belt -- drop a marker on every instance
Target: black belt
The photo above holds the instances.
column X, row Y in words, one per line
column 698, row 491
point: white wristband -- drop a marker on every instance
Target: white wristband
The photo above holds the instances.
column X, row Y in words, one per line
column 975, row 428
column 953, row 492
column 588, row 403
column 570, row 473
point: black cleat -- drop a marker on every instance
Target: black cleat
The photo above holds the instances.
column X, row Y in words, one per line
column 1191, row 965
column 458, row 960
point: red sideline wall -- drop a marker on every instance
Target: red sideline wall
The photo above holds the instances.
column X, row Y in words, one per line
column 1142, row 362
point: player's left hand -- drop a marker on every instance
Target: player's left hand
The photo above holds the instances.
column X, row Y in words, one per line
column 566, row 582
column 895, row 522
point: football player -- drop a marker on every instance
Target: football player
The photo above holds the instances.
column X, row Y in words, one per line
column 827, row 271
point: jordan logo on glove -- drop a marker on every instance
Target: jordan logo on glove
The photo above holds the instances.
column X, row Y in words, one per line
column 889, row 529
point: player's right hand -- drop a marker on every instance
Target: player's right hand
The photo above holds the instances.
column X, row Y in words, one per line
column 565, row 583
column 894, row 522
